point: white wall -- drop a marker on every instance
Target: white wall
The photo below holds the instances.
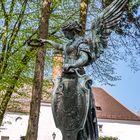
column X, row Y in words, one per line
column 15, row 128
column 46, row 125
column 124, row 130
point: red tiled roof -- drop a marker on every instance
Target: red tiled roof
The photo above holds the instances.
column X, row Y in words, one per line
column 110, row 108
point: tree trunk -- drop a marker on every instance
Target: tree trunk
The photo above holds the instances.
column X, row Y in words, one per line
column 32, row 131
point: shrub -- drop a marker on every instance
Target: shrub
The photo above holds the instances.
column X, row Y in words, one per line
column 108, row 138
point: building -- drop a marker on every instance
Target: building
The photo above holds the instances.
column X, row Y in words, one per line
column 113, row 119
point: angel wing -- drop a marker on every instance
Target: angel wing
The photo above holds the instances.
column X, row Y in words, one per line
column 104, row 24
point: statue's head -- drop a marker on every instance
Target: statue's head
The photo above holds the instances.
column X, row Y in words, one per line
column 71, row 29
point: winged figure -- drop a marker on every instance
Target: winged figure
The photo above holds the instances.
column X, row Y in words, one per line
column 105, row 23
column 73, row 104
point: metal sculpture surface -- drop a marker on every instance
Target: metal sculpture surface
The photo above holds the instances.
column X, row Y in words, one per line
column 73, row 103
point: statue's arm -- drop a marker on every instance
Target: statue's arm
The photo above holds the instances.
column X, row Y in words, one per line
column 83, row 59
column 53, row 44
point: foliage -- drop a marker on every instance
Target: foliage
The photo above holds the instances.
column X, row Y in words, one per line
column 15, row 40
column 19, row 22
column 14, row 32
column 18, row 25
column 123, row 44
column 108, row 138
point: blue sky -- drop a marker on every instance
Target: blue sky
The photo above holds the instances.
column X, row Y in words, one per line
column 127, row 90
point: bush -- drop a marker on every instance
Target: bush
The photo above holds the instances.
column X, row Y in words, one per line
column 108, row 138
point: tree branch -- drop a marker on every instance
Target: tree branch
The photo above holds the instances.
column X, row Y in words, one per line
column 3, row 8
column 6, row 51
column 17, row 25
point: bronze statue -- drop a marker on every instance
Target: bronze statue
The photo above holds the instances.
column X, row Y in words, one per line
column 73, row 103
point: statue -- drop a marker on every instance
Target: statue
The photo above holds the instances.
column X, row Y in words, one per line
column 73, row 104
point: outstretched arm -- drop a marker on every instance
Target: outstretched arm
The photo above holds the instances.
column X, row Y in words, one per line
column 54, row 44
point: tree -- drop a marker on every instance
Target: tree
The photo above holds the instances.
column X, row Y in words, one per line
column 108, row 138
column 9, row 71
column 38, row 76
column 16, row 58
column 123, row 45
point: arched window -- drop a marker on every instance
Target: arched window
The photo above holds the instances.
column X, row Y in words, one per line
column 18, row 118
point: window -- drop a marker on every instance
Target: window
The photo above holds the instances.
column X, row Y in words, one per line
column 98, row 108
column 53, row 135
column 4, row 138
column 22, row 138
column 18, row 118
column 100, row 128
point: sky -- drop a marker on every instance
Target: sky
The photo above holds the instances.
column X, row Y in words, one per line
column 126, row 90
